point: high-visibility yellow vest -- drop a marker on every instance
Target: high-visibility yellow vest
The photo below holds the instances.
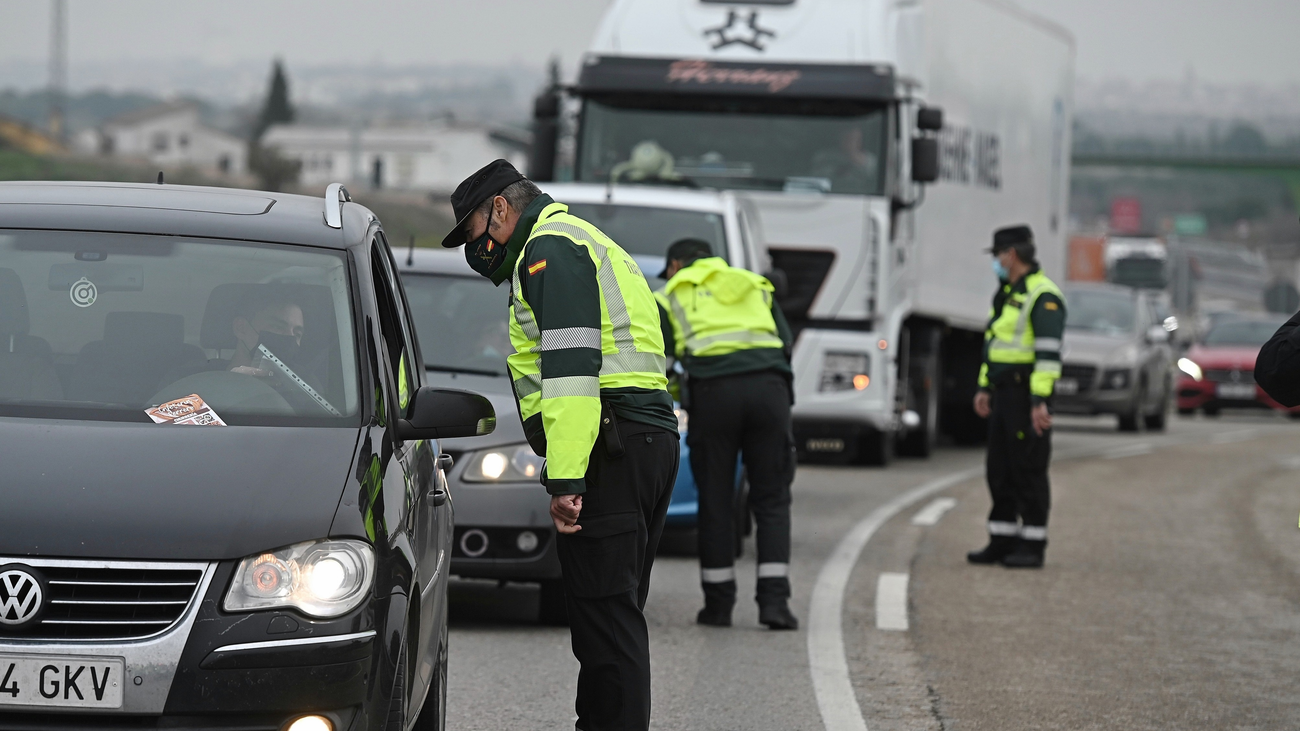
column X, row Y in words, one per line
column 717, row 309
column 1010, row 337
column 630, row 341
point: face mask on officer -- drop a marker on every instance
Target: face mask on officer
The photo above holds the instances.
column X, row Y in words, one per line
column 485, row 254
column 999, row 270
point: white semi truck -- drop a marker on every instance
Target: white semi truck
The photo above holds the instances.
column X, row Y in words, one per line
column 880, row 143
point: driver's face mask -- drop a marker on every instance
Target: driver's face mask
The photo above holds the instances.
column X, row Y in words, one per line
column 284, row 347
column 485, row 254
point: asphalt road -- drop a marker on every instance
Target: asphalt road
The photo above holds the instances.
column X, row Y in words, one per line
column 1169, row 601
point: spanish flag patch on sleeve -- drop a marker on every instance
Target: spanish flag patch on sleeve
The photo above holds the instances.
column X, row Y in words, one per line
column 536, row 267
column 1050, row 306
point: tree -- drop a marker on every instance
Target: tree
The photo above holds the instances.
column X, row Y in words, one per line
column 276, row 109
column 272, row 169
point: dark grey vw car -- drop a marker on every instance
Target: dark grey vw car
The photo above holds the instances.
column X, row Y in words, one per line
column 223, row 501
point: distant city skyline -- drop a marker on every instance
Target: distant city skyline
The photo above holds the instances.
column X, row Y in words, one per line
column 1247, row 41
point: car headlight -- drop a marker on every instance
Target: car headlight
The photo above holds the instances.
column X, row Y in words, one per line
column 1115, row 378
column 324, row 578
column 510, row 463
column 845, row 372
column 1188, row 366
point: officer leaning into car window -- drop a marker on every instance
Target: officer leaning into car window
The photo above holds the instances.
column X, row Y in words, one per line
column 1022, row 360
column 588, row 371
column 724, row 326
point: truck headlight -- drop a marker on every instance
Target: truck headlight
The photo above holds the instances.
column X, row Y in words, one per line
column 324, row 578
column 510, row 463
column 845, row 372
column 1189, row 366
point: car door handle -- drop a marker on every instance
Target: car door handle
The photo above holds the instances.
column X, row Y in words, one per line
column 446, row 462
column 439, row 497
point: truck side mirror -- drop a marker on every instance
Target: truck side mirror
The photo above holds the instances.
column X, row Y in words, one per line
column 446, row 413
column 929, row 119
column 780, row 283
column 925, row 159
column 546, row 131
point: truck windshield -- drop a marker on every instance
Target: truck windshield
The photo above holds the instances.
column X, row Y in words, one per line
column 103, row 326
column 728, row 144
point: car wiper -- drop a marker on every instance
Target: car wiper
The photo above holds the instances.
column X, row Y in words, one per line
column 460, row 369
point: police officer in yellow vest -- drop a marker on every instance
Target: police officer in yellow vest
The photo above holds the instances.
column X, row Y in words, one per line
column 588, row 371
column 1022, row 360
column 724, row 326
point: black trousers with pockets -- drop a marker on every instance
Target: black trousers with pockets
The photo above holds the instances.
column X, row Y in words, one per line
column 606, row 569
column 1017, row 460
column 749, row 415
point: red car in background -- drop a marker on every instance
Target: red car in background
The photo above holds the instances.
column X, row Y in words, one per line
column 1219, row 370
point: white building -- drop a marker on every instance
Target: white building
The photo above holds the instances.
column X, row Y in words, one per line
column 435, row 156
column 171, row 136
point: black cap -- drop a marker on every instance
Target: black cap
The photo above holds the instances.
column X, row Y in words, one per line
column 685, row 250
column 493, row 178
column 1005, row 238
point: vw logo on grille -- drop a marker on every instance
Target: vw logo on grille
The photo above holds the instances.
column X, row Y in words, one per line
column 21, row 596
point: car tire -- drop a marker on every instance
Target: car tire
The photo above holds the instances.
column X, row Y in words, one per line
column 1131, row 421
column 1210, row 410
column 397, row 701
column 877, row 448
column 551, row 607
column 433, row 714
column 1185, row 412
column 1158, row 420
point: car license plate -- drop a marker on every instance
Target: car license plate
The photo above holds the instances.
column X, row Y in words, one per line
column 61, row 681
column 1067, row 386
column 1236, row 390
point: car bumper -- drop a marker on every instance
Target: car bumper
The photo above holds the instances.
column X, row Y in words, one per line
column 1117, row 401
column 213, row 670
column 1193, row 394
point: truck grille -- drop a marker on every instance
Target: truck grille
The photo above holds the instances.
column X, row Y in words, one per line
column 96, row 600
column 1083, row 374
column 1216, row 375
column 804, row 272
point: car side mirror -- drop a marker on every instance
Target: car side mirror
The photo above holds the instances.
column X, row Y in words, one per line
column 1157, row 334
column 925, row 159
column 447, row 413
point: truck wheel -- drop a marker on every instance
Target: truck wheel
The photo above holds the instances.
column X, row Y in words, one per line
column 551, row 608
column 924, row 380
column 877, row 448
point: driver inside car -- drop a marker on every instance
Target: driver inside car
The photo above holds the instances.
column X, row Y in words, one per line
column 278, row 325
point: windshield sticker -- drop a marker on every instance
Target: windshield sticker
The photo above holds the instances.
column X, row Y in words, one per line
column 83, row 293
column 191, row 410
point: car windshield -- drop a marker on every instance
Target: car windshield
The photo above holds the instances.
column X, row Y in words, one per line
column 1105, row 313
column 105, row 326
column 732, row 144
column 646, row 231
column 1253, row 333
column 461, row 322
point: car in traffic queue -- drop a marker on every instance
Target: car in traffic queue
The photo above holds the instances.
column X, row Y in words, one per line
column 1115, row 356
column 1219, row 370
column 504, row 529
column 224, row 502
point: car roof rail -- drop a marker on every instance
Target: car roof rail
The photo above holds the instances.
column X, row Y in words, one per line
column 335, row 196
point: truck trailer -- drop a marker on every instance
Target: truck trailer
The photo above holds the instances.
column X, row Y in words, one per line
column 880, row 144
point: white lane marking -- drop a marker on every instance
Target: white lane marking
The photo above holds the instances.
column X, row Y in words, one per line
column 1232, row 437
column 930, row 514
column 891, row 602
column 1135, row 450
column 1290, row 463
column 826, row 661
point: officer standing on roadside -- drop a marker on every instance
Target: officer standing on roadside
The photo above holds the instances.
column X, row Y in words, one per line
column 722, row 322
column 588, row 372
column 1022, row 360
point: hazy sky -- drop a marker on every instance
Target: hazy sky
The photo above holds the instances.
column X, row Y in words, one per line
column 1223, row 40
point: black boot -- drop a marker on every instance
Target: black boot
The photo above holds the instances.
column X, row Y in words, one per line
column 997, row 549
column 1028, row 555
column 719, row 598
column 777, row 615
